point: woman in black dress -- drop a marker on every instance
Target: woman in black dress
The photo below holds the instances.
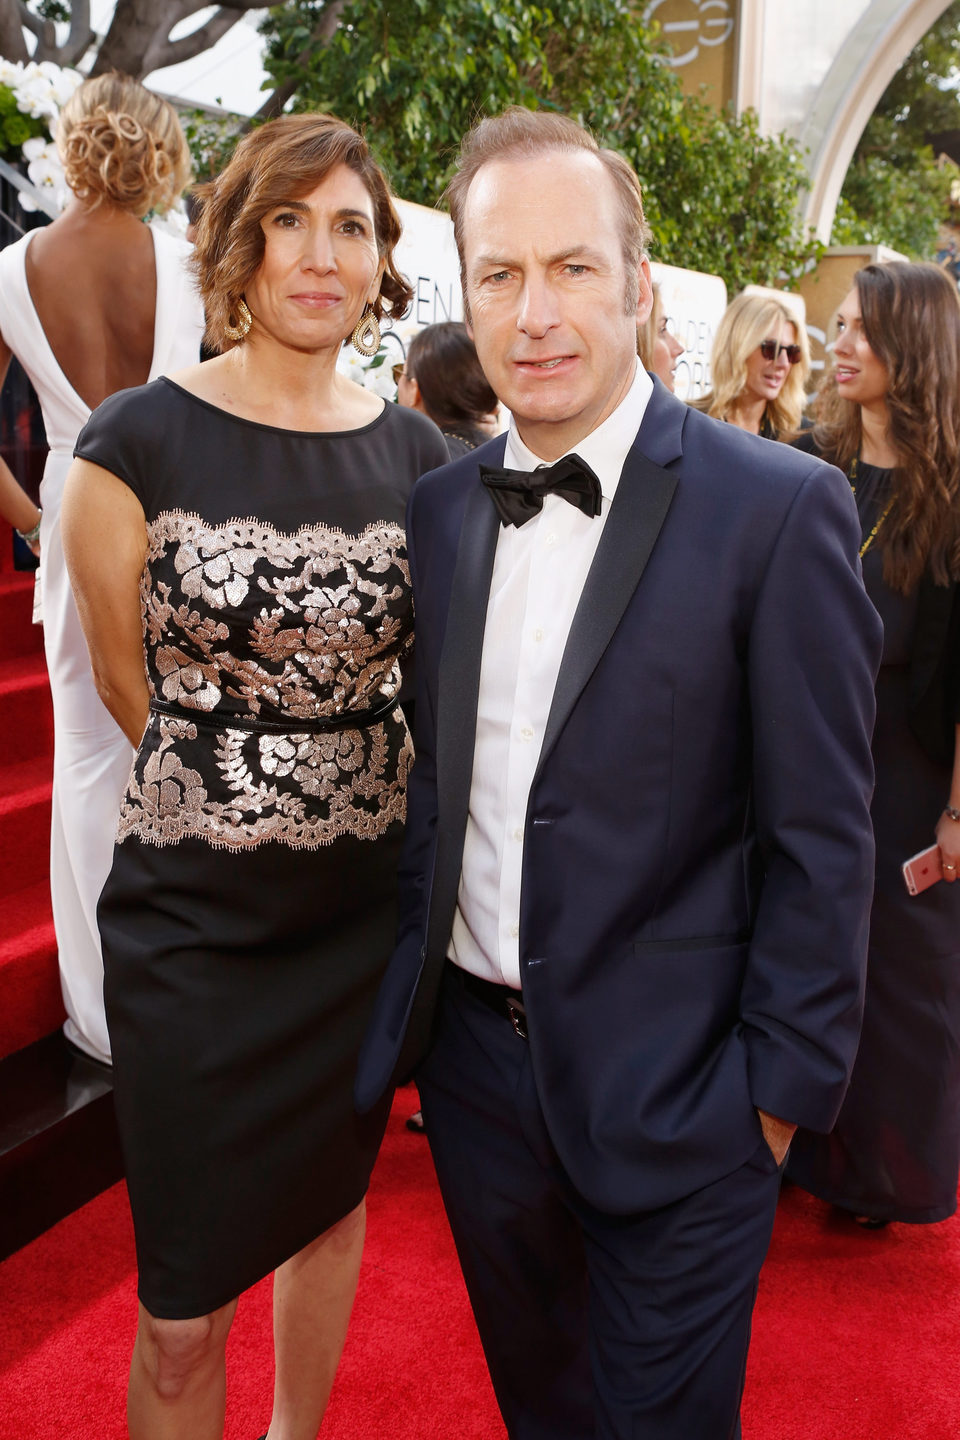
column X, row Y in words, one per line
column 235, row 539
column 889, row 415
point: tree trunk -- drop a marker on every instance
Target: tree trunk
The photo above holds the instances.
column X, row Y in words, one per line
column 138, row 40
column 13, row 45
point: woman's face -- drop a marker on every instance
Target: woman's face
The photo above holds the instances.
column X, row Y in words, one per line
column 765, row 378
column 861, row 376
column 408, row 391
column 666, row 351
column 320, row 269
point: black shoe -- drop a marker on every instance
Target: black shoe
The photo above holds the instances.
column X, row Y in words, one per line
column 415, row 1122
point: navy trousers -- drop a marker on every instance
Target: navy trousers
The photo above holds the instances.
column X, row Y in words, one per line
column 595, row 1327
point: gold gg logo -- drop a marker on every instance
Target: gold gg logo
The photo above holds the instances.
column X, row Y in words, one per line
column 690, row 24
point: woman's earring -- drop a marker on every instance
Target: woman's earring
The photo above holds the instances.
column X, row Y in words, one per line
column 366, row 334
column 241, row 330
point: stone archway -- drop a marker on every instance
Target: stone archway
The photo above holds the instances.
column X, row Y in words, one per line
column 877, row 45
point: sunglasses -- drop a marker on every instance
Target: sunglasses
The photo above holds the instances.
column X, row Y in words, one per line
column 769, row 349
column 397, row 371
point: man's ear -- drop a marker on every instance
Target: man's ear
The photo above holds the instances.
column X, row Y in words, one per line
column 644, row 292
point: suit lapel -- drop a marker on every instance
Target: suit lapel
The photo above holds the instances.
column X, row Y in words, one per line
column 458, row 688
column 632, row 528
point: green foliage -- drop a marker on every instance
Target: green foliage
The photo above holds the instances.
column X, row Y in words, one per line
column 416, row 75
column 15, row 127
column 212, row 140
column 894, row 194
column 53, row 10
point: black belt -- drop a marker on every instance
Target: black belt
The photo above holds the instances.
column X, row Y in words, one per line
column 499, row 998
column 281, row 724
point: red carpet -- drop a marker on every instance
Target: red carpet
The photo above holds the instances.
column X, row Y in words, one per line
column 29, row 984
column 856, row 1335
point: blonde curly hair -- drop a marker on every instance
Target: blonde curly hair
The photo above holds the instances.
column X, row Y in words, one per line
column 122, row 145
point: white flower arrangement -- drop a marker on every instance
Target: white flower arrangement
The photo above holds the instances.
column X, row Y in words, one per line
column 31, row 98
column 376, row 372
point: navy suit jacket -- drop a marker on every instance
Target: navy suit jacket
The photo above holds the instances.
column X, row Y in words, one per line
column 698, row 855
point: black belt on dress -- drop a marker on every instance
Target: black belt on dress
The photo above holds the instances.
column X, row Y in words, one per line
column 499, row 998
column 281, row 724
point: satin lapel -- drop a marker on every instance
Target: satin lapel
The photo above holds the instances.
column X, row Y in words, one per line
column 633, row 526
column 458, row 687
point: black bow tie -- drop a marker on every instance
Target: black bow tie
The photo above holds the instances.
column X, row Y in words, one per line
column 518, row 494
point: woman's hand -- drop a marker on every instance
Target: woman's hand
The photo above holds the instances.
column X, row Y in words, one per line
column 948, row 830
column 948, row 838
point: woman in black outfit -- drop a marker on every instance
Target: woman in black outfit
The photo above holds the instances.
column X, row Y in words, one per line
column 889, row 415
column 235, row 540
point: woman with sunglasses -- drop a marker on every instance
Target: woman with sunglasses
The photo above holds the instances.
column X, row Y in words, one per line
column 759, row 367
column 889, row 416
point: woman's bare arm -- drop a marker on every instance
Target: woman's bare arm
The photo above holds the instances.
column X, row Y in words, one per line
column 105, row 545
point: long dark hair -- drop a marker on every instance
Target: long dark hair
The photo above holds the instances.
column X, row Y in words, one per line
column 911, row 320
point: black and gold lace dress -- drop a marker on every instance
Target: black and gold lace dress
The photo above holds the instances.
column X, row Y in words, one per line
column 250, row 910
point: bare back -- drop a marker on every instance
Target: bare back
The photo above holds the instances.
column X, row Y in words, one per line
column 92, row 278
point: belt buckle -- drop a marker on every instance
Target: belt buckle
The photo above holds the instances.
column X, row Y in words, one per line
column 518, row 1018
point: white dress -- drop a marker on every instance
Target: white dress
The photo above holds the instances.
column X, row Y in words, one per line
column 92, row 757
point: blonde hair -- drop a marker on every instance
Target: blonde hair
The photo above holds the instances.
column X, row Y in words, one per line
column 647, row 330
column 122, row 145
column 746, row 323
column 280, row 161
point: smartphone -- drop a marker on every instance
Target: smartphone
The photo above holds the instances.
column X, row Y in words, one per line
column 922, row 870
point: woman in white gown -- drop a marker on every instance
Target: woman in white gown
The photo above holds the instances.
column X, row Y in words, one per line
column 92, row 304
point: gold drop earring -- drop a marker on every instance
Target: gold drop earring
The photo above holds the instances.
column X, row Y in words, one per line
column 366, row 335
column 241, row 330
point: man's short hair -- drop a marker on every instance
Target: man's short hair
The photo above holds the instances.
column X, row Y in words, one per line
column 518, row 134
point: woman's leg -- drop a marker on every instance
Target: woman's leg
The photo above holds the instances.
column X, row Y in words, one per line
column 312, row 1299
column 177, row 1377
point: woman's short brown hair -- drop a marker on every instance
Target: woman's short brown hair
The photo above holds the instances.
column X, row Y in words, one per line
column 122, row 145
column 283, row 160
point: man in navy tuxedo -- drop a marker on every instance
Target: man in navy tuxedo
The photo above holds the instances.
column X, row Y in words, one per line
column 639, row 861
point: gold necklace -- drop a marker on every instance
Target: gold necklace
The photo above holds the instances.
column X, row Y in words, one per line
column 852, row 477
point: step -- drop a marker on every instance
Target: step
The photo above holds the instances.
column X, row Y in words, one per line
column 18, row 634
column 26, row 710
column 30, row 1002
column 24, row 835
column 24, row 777
column 58, row 1138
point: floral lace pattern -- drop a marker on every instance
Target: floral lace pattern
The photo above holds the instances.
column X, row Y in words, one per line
column 246, row 625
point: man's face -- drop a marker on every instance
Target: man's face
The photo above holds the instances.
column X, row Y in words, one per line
column 547, row 287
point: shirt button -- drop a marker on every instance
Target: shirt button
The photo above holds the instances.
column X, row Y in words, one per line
column 514, row 931
column 551, row 538
column 518, row 834
column 538, row 634
column 526, row 732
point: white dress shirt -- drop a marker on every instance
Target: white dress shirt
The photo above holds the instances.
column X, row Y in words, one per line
column 538, row 577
